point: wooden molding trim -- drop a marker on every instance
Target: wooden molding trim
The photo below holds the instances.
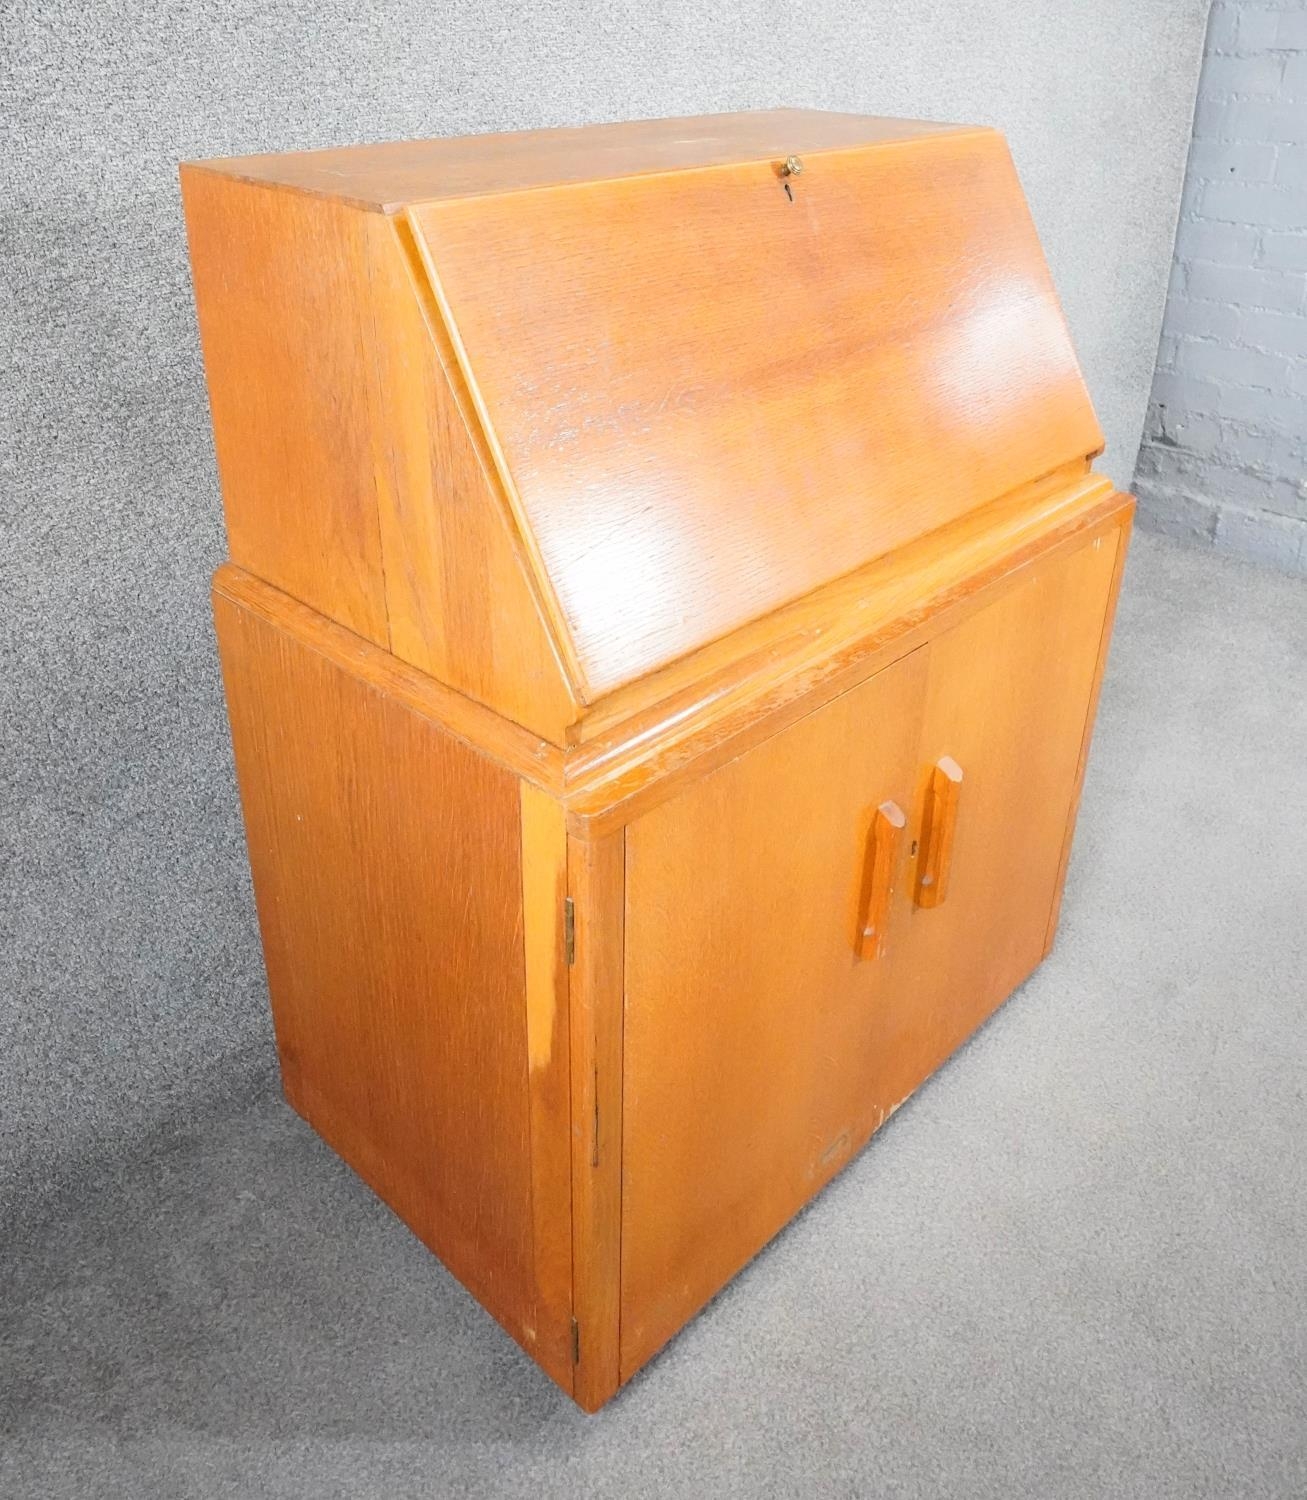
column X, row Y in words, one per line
column 642, row 763
column 515, row 748
column 806, row 656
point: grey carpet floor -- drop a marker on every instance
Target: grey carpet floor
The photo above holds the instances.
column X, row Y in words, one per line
column 1074, row 1265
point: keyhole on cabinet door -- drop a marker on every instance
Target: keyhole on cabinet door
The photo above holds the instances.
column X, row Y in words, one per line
column 788, row 194
column 913, row 850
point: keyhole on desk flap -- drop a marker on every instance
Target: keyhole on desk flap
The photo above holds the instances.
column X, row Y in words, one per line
column 790, row 167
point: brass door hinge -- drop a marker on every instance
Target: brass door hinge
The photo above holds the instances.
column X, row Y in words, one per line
column 569, row 930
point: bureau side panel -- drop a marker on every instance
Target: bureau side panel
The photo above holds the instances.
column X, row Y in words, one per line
column 283, row 301
column 458, row 588
column 1125, row 527
column 354, row 476
column 386, row 858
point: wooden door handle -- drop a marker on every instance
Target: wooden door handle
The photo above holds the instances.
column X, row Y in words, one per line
column 878, row 879
column 937, row 835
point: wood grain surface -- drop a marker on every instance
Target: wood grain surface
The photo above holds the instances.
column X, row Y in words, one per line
column 1123, row 529
column 709, row 400
column 355, row 475
column 462, row 593
column 1010, row 694
column 800, row 1048
column 506, row 744
column 387, row 863
column 390, row 174
column 549, row 1076
column 668, row 601
column 596, row 880
column 284, row 305
column 818, row 648
column 748, row 1077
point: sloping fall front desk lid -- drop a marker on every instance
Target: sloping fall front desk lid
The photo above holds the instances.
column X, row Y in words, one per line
column 713, row 390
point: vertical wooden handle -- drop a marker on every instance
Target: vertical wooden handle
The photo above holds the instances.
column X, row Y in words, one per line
column 937, row 836
column 878, row 881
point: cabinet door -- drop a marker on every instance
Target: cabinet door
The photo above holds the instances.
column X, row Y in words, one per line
column 761, row 1046
column 1009, row 695
column 749, row 1013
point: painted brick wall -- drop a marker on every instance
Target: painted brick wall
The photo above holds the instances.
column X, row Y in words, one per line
column 1224, row 454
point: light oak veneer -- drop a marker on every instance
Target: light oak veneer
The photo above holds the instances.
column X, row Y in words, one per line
column 667, row 601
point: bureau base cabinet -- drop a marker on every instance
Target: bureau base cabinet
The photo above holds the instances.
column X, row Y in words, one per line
column 668, row 598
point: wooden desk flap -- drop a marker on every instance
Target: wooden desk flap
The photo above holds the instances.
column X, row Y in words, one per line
column 712, row 391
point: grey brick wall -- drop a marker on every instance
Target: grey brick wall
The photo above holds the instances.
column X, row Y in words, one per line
column 1224, row 454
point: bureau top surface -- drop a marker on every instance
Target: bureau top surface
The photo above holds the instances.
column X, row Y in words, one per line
column 392, row 174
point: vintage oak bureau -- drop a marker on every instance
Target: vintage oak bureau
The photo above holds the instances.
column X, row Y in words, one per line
column 667, row 601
